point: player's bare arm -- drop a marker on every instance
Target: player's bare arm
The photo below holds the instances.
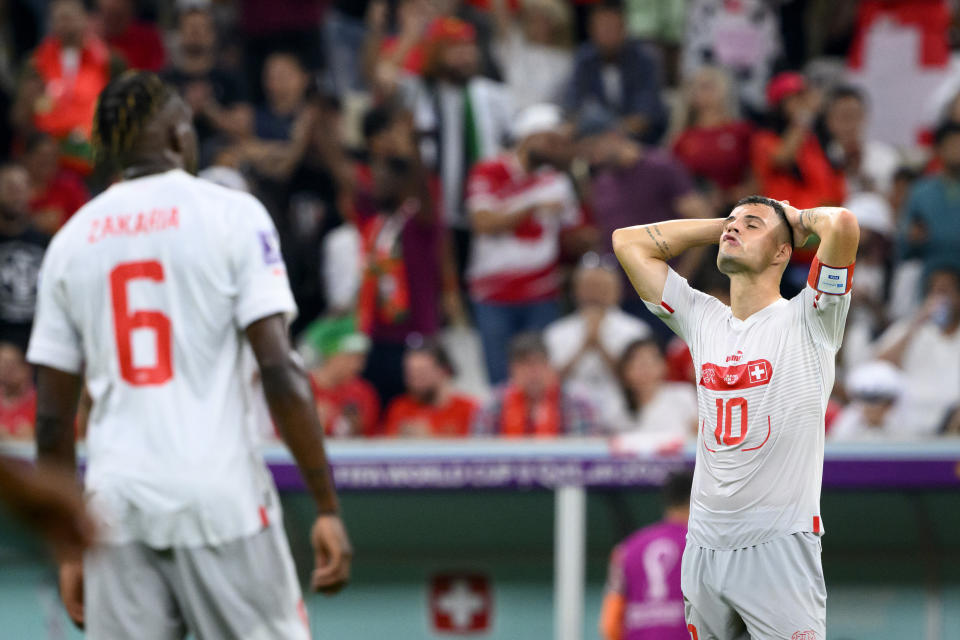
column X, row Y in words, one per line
column 836, row 227
column 644, row 250
column 287, row 389
column 58, row 393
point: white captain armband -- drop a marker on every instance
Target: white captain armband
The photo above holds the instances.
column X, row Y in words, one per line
column 833, row 280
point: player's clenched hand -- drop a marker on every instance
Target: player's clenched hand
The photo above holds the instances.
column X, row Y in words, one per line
column 333, row 552
column 71, row 590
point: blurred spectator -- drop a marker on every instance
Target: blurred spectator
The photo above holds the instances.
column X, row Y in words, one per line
column 269, row 26
column 532, row 402
column 710, row 139
column 868, row 309
column 930, row 224
column 21, row 252
column 221, row 112
column 430, row 408
column 19, row 34
column 136, row 41
column 460, row 117
column 386, row 56
column 534, row 50
column 586, row 345
column 18, row 397
column 519, row 204
column 643, row 597
column 56, row 194
column 743, row 37
column 868, row 164
column 653, row 405
column 630, row 185
column 787, row 158
column 402, row 243
column 927, row 348
column 285, row 83
column 873, row 388
column 347, row 404
column 344, row 30
column 62, row 80
column 618, row 74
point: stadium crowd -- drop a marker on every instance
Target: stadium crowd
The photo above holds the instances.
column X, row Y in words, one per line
column 446, row 176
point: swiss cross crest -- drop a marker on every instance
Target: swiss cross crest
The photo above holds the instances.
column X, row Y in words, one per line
column 804, row 635
column 757, row 371
column 460, row 603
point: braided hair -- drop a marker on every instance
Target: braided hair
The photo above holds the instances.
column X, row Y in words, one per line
column 123, row 110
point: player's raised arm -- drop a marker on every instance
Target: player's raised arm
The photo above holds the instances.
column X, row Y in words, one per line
column 287, row 389
column 644, row 250
column 836, row 227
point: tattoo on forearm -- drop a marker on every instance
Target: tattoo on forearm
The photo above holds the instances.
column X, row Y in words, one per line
column 662, row 245
column 810, row 217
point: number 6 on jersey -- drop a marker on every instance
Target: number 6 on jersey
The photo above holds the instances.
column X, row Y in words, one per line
column 125, row 322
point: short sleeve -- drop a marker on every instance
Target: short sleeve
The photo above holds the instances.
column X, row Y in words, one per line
column 826, row 313
column 681, row 307
column 55, row 341
column 262, row 287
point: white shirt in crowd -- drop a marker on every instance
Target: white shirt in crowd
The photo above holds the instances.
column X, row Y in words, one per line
column 931, row 369
column 534, row 73
column 341, row 266
column 591, row 377
column 851, row 425
column 146, row 291
column 763, row 387
column 672, row 411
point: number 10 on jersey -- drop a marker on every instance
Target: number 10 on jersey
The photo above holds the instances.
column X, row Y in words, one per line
column 724, row 430
column 125, row 322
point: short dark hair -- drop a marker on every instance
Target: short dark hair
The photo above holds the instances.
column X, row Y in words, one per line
column 676, row 489
column 525, row 345
column 945, row 130
column 773, row 204
column 377, row 120
column 628, row 351
column 847, row 91
column 436, row 351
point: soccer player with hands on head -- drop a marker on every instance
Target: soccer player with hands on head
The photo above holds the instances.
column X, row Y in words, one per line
column 765, row 370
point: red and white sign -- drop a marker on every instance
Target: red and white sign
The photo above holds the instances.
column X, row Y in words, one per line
column 460, row 603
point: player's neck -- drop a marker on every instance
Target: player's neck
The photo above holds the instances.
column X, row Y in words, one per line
column 148, row 167
column 750, row 292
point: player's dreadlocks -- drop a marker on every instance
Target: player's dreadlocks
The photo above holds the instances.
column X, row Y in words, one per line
column 125, row 106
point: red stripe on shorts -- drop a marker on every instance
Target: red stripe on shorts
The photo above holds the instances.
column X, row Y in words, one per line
column 264, row 518
column 816, row 524
column 666, row 306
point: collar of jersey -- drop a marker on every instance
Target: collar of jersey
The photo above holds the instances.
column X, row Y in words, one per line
column 756, row 315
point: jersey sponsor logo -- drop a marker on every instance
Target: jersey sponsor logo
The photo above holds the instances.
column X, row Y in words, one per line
column 804, row 635
column 133, row 224
column 754, row 373
column 737, row 357
column 270, row 244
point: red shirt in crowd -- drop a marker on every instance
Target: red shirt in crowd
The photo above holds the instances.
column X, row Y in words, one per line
column 140, row 47
column 59, row 200
column 351, row 409
column 810, row 182
column 409, row 417
column 718, row 154
column 18, row 415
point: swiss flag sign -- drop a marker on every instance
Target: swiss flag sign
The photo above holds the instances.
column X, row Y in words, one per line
column 460, row 603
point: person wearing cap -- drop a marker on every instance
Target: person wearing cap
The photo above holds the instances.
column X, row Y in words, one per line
column 868, row 308
column 430, row 408
column 460, row 116
column 619, row 73
column 874, row 388
column 347, row 404
column 787, row 158
column 519, row 204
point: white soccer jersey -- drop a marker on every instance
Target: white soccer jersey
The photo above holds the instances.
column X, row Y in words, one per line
column 762, row 390
column 147, row 291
